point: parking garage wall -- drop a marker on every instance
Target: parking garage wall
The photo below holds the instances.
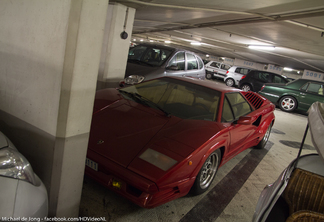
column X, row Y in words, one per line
column 49, row 61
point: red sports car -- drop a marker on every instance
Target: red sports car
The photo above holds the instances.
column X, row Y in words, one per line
column 158, row 140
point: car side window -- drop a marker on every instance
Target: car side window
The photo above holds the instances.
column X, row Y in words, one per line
column 304, row 88
column 227, row 115
column 191, row 62
column 178, row 60
column 214, row 64
column 201, row 64
column 242, row 71
column 315, row 88
column 279, row 79
column 226, row 67
column 239, row 105
column 262, row 76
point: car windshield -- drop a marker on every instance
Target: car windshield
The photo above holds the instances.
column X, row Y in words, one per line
column 179, row 98
column 148, row 55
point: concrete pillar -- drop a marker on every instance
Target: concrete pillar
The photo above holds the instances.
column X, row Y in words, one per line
column 115, row 49
column 49, row 61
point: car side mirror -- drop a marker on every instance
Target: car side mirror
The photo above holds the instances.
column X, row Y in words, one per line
column 245, row 120
column 173, row 67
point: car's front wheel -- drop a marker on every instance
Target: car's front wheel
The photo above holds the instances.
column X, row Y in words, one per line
column 246, row 87
column 209, row 76
column 288, row 103
column 265, row 139
column 207, row 173
column 230, row 82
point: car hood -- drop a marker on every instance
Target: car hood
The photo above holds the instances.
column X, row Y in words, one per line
column 123, row 130
column 143, row 70
column 3, row 141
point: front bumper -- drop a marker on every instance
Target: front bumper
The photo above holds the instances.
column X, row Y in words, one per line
column 132, row 186
column 22, row 199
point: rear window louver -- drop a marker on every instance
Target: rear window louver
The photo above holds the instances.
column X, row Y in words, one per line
column 253, row 98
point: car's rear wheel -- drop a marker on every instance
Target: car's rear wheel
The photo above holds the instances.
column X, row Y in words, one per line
column 246, row 87
column 208, row 76
column 288, row 103
column 265, row 139
column 207, row 173
column 230, row 82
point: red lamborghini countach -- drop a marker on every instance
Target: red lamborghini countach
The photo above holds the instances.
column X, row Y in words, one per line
column 158, row 140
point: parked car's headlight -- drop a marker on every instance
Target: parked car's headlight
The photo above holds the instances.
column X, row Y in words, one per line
column 134, row 79
column 13, row 164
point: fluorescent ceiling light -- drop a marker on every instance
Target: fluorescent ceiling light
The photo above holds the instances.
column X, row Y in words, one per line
column 288, row 69
column 141, row 40
column 195, row 43
column 264, row 47
column 167, row 41
column 207, row 56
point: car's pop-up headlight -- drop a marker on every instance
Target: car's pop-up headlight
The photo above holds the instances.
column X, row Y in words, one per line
column 14, row 164
column 158, row 159
column 134, row 79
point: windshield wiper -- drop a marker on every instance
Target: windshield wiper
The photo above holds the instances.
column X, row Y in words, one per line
column 151, row 103
column 138, row 98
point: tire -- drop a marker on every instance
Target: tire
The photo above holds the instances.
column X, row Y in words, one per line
column 265, row 139
column 230, row 82
column 246, row 87
column 207, row 173
column 288, row 103
column 209, row 76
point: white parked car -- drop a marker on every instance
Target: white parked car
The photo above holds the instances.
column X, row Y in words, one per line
column 23, row 195
column 216, row 69
column 234, row 75
column 297, row 194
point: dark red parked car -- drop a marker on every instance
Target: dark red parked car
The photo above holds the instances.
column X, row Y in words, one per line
column 158, row 140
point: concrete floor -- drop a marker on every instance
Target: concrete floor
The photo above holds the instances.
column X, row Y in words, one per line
column 233, row 194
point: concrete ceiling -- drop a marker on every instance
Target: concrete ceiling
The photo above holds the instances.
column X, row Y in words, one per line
column 226, row 28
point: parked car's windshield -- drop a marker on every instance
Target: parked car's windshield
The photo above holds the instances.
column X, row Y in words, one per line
column 149, row 55
column 179, row 98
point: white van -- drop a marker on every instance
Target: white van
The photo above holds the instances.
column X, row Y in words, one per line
column 216, row 69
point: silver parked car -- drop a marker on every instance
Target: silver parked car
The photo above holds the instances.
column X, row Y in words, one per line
column 22, row 194
column 148, row 61
column 298, row 195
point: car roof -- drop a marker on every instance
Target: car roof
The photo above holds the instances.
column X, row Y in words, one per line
column 208, row 84
column 169, row 47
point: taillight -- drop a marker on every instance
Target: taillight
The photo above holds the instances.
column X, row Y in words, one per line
column 243, row 77
column 227, row 72
column 262, row 87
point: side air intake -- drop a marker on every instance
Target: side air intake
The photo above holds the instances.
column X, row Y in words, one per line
column 254, row 98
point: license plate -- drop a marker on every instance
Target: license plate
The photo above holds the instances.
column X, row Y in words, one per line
column 92, row 164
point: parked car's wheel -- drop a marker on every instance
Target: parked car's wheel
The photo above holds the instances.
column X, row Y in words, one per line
column 208, row 76
column 265, row 139
column 207, row 173
column 246, row 87
column 288, row 103
column 230, row 82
